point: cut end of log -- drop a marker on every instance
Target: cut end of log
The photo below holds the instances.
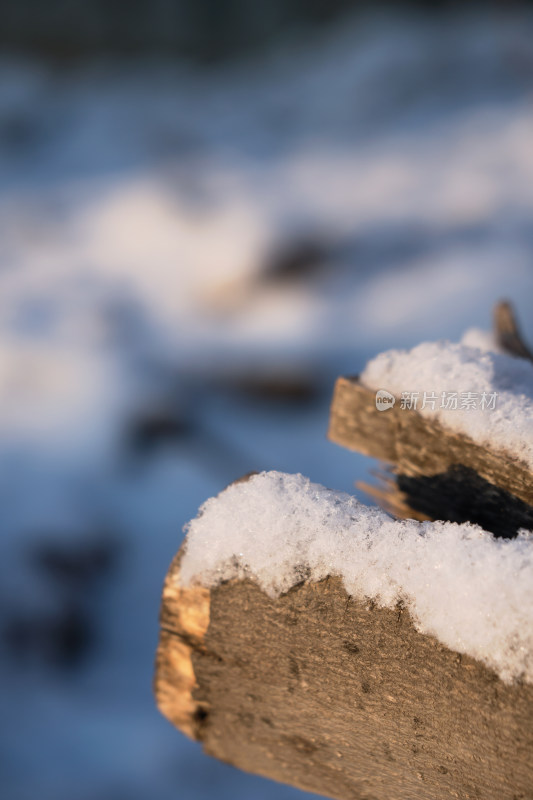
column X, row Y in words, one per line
column 184, row 622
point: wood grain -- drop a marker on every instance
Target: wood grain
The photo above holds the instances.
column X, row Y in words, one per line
column 339, row 697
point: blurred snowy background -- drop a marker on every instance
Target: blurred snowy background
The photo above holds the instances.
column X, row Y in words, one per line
column 190, row 251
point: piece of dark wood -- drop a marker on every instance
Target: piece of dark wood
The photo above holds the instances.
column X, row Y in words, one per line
column 507, row 331
column 461, row 495
column 337, row 696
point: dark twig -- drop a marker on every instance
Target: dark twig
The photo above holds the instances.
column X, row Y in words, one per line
column 507, row 331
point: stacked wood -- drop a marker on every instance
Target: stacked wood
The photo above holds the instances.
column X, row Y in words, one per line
column 340, row 697
column 432, row 472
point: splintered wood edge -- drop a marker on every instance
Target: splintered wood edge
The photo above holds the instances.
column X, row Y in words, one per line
column 389, row 497
column 415, row 444
column 184, row 620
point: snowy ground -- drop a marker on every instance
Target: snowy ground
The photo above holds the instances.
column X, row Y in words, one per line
column 165, row 236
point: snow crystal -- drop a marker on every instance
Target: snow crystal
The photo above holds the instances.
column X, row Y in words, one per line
column 471, row 591
column 435, row 371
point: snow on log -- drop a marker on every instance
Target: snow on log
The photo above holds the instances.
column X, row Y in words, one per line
column 457, row 426
column 315, row 641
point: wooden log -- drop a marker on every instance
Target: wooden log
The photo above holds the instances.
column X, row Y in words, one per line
column 469, row 481
column 337, row 696
column 432, row 472
column 416, row 444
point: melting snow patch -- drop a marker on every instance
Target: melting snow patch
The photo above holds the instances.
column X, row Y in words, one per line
column 471, row 591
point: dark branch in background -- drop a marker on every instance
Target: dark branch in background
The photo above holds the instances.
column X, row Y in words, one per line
column 507, row 331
